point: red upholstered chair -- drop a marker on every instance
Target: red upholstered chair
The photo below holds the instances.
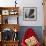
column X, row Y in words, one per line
column 29, row 33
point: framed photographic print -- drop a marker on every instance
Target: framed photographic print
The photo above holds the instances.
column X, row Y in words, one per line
column 30, row 13
column 5, row 12
column 13, row 12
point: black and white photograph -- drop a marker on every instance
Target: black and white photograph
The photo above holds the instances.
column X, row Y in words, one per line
column 30, row 13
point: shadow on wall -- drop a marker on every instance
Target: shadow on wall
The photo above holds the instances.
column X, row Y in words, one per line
column 37, row 29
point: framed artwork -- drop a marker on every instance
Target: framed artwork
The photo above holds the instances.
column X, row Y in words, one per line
column 5, row 12
column 13, row 12
column 30, row 13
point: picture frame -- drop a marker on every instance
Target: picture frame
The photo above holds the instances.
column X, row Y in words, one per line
column 5, row 12
column 13, row 12
column 30, row 13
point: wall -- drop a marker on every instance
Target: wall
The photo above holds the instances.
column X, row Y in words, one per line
column 27, row 3
column 38, row 5
column 38, row 30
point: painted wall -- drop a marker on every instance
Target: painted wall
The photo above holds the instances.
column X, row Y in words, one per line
column 38, row 5
column 27, row 3
column 37, row 29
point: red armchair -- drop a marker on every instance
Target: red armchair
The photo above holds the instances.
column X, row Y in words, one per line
column 29, row 34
